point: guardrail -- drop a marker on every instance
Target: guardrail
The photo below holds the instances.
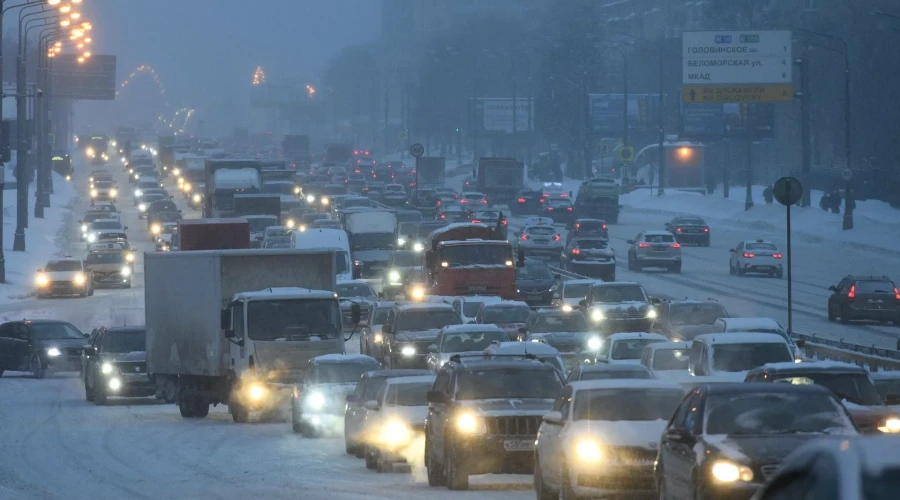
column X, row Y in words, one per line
column 872, row 358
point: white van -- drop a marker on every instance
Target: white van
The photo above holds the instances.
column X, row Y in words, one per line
column 327, row 239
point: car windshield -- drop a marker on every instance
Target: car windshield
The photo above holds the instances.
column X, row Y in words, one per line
column 592, row 244
column 637, row 373
column 103, row 184
column 856, row 388
column 874, row 287
column 372, row 241
column 534, row 271
column 380, row 316
column 547, row 323
column 293, row 319
column 122, row 342
column 105, row 258
column 632, row 404
column 150, row 198
column 576, row 290
column 881, row 484
column 148, row 185
column 106, row 224
column 426, row 320
column 408, row 229
column 470, row 341
column 405, row 258
column 333, row 190
column 467, row 254
column 409, row 216
column 339, row 373
column 63, row 266
column 357, row 202
column 53, row 331
column 659, row 238
column 309, row 218
column 632, row 348
column 508, row 383
column 619, row 293
column 393, row 188
column 743, row 357
column 471, row 308
column 696, row 314
column 506, row 314
column 671, row 359
column 759, row 413
column 409, row 394
column 278, row 232
column 278, row 188
column 259, row 224
column 760, row 246
column 347, row 290
column 541, row 231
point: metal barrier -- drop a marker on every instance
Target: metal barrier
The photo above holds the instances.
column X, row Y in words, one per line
column 872, row 358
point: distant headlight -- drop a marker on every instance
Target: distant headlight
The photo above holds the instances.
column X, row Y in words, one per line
column 129, row 257
column 566, row 308
column 325, row 200
column 41, row 280
column 302, row 227
column 401, row 241
column 290, row 223
column 396, row 432
column 137, row 176
column 93, row 193
column 597, row 315
column 106, row 368
column 196, row 198
column 78, row 279
column 186, row 187
column 115, row 384
column 417, row 293
column 310, row 198
column 297, row 190
column 408, row 351
column 394, row 276
column 256, row 392
column 84, row 228
column 142, row 207
column 419, row 247
column 176, row 171
column 651, row 313
column 53, row 352
column 155, row 229
column 594, row 343
column 890, row 426
column 588, row 451
column 113, row 193
column 316, row 401
column 138, row 193
column 92, row 238
column 377, row 338
column 126, row 271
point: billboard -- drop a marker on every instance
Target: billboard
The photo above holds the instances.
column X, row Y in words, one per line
column 607, row 111
column 717, row 121
column 496, row 114
column 92, row 80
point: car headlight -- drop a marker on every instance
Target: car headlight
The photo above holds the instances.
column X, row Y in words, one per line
column 126, row 271
column 78, row 279
column 106, row 368
column 84, row 228
column 588, row 451
column 597, row 315
column 302, row 227
column 138, row 193
column 729, row 472
column 594, row 343
column 129, row 257
column 310, row 198
column 90, row 152
column 377, row 338
column 417, row 293
column 394, row 276
column 196, row 198
column 256, row 392
column 115, row 384
column 890, row 426
column 316, row 401
column 155, row 229
column 142, row 207
column 137, row 176
column 325, row 200
column 41, row 280
column 419, row 247
column 468, row 423
column 566, row 308
column 92, row 238
column 93, row 193
column 176, row 171
column 53, row 352
column 396, row 432
column 401, row 241
column 408, row 351
column 113, row 193
column 297, row 190
column 651, row 314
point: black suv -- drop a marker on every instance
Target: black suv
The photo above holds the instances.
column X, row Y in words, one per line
column 620, row 306
column 685, row 319
column 410, row 329
column 689, row 230
column 115, row 364
column 588, row 227
column 40, row 347
column 483, row 417
column 864, row 297
column 528, row 202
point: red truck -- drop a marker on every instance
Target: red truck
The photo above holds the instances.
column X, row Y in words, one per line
column 213, row 234
column 469, row 259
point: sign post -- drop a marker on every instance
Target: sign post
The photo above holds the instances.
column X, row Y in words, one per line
column 417, row 150
column 788, row 191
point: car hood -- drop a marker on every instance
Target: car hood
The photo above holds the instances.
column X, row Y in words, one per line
column 560, row 338
column 413, row 415
column 372, row 255
column 416, row 335
column 62, row 275
column 643, row 434
column 107, row 267
column 60, row 343
column 620, row 306
column 758, row 449
column 868, row 417
column 502, row 407
column 531, row 285
column 134, row 356
column 347, row 302
column 331, row 391
column 688, row 332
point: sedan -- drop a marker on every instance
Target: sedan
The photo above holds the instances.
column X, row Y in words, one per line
column 760, row 257
column 654, row 249
column 536, row 282
column 540, row 241
column 689, row 230
column 452, row 214
column 590, row 257
column 561, row 210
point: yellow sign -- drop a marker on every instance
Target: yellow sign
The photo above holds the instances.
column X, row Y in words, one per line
column 58, row 158
column 626, row 154
column 737, row 93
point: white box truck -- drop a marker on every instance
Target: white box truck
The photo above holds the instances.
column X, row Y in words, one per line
column 237, row 326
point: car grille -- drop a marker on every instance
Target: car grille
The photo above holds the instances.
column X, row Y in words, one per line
column 622, row 315
column 131, row 367
column 634, row 455
column 768, row 470
column 513, row 426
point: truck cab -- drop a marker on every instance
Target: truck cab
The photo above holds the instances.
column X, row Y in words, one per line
column 469, row 259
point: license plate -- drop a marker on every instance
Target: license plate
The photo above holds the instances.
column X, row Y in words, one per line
column 542, row 242
column 518, row 445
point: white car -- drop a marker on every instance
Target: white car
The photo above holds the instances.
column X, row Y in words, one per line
column 758, row 256
column 64, row 277
column 103, row 226
column 395, row 421
column 668, row 360
column 570, row 293
column 626, row 347
column 457, row 339
column 718, row 357
column 601, row 439
column 757, row 325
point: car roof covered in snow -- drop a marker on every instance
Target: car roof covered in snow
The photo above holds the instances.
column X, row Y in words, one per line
column 740, row 338
column 485, row 299
column 521, row 349
column 344, row 358
column 424, row 306
column 886, row 375
column 616, row 283
column 664, row 346
column 657, row 232
column 749, row 324
column 810, row 366
column 286, row 292
column 620, row 367
column 402, row 372
column 415, row 379
column 635, row 335
column 628, row 383
column 505, row 303
column 472, row 328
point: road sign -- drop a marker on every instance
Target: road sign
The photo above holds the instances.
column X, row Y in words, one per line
column 403, row 135
column 788, row 191
column 736, row 57
column 846, row 174
column 721, row 94
column 626, row 154
column 417, row 150
column 93, row 79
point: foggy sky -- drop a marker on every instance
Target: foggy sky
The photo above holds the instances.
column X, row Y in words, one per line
column 205, row 52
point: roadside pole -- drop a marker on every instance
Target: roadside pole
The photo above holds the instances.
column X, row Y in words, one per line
column 788, row 191
column 416, row 150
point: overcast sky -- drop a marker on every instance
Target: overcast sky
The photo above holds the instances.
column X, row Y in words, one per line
column 205, row 51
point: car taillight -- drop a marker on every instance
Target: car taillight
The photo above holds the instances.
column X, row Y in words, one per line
column 576, row 251
column 675, row 245
column 476, row 221
column 777, row 255
column 503, row 222
column 443, row 216
column 541, row 200
column 748, row 255
column 705, row 229
column 677, row 229
column 524, row 236
column 463, row 201
column 564, row 195
column 852, row 293
column 556, row 237
column 438, row 203
column 604, row 226
column 549, row 208
column 521, row 200
column 569, row 209
column 643, row 245
column 896, row 294
column 578, row 226
column 356, row 171
column 484, row 202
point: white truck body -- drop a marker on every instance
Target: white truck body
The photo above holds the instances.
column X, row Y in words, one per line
column 373, row 221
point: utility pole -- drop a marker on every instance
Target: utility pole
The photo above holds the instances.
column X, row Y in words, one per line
column 662, row 164
column 849, row 203
column 805, row 145
column 21, row 157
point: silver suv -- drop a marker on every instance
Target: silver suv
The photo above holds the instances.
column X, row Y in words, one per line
column 654, row 249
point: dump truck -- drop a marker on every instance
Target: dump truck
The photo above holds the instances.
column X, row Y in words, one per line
column 240, row 326
column 500, row 179
column 469, row 259
column 598, row 198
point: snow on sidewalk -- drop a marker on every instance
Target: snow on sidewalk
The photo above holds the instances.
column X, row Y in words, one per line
column 42, row 239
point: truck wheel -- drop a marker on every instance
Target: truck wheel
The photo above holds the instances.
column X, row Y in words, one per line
column 186, row 407
column 239, row 413
column 201, row 408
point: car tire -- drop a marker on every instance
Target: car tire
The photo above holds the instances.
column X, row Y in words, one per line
column 100, row 398
column 632, row 265
column 359, row 451
column 731, row 270
column 239, row 413
column 383, row 466
column 541, row 489
column 457, row 478
column 739, row 271
column 779, row 274
column 845, row 315
column 91, row 291
column 371, row 458
column 436, row 473
column 661, row 492
column 349, row 447
column 37, row 368
column 565, row 484
column 676, row 268
column 1, row 372
column 88, row 392
column 831, row 316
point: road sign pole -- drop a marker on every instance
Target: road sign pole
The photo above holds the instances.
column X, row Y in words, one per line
column 849, row 203
column 662, row 165
column 748, row 202
column 788, row 191
column 790, row 305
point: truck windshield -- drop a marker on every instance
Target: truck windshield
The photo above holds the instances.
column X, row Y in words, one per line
column 475, row 255
column 293, row 319
column 124, row 342
column 510, row 383
column 372, row 241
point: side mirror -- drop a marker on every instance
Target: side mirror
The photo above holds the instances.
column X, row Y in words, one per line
column 668, row 224
column 553, row 418
column 40, row 270
column 801, row 343
column 125, row 228
column 731, row 250
column 229, row 333
column 680, row 436
column 655, row 301
column 357, row 272
column 832, row 287
column 699, row 370
column 432, row 348
column 436, row 397
column 86, row 335
column 372, row 405
column 355, row 314
column 630, row 242
column 583, row 303
column 557, row 277
column 351, row 398
column 225, row 319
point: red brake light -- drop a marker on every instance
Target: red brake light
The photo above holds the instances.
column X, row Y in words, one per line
column 524, row 236
column 438, row 203
column 542, row 200
column 604, row 226
column 556, row 237
column 576, row 251
column 896, row 294
column 852, row 293
column 748, row 255
column 521, row 200
column 443, row 216
column 569, row 209
column 503, row 222
column 578, row 225
column 463, row 201
column 675, row 245
column 777, row 255
column 484, row 202
column 549, row 208
column 678, row 229
column 476, row 221
column 643, row 245
column 564, row 195
column 356, row 171
column 705, row 229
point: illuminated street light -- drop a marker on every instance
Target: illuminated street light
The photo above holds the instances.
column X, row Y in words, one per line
column 75, row 15
column 65, row 9
column 53, row 2
column 80, row 59
column 64, row 23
